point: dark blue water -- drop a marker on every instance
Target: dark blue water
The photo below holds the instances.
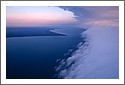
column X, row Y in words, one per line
column 30, row 31
column 35, row 57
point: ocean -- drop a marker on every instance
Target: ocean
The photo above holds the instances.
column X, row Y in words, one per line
column 35, row 57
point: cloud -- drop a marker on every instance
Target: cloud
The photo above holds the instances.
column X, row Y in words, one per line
column 93, row 22
column 103, row 15
column 98, row 56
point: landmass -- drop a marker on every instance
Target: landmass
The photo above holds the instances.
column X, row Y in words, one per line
column 30, row 31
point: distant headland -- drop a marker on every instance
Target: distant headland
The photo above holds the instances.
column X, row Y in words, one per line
column 30, row 31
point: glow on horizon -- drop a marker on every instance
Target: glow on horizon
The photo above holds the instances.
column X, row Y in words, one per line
column 38, row 16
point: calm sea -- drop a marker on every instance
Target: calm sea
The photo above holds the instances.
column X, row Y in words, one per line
column 35, row 57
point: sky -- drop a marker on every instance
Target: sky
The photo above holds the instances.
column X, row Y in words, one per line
column 38, row 16
column 27, row 16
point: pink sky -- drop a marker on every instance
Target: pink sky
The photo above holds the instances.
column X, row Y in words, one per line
column 38, row 16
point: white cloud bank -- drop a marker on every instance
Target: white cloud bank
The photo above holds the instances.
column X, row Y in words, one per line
column 97, row 58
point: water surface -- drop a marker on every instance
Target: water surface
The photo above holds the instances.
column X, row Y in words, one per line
column 35, row 57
